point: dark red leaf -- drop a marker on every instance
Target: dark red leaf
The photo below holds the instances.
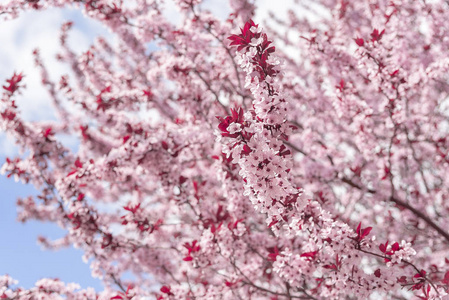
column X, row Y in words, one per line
column 395, row 247
column 359, row 41
column 377, row 273
column 78, row 163
column 365, row 232
column 446, row 279
column 358, row 229
column 309, row 255
column 13, row 83
column 166, row 290
column 383, row 247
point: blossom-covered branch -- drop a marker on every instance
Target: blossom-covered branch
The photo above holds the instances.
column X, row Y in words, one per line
column 324, row 177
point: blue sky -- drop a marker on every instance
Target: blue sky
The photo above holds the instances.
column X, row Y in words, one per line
column 20, row 255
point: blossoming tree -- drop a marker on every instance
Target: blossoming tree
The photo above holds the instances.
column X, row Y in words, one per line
column 303, row 160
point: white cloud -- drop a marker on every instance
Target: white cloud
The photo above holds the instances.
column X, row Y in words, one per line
column 7, row 147
column 40, row 29
column 279, row 8
column 220, row 9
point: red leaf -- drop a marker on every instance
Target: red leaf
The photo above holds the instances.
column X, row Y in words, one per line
column 274, row 252
column 132, row 209
column 383, row 247
column 341, row 85
column 376, row 36
column 395, row 247
column 332, row 267
column 446, row 279
column 358, row 229
column 148, row 93
column 182, row 179
column 402, row 280
column 377, row 273
column 192, row 247
column 130, row 287
column 232, row 226
column 13, row 83
column 309, row 255
column 214, row 228
column 48, row 132
column 421, row 273
column 272, row 223
column 166, row 290
column 246, row 150
column 78, row 163
column 126, row 138
column 359, row 41
column 394, row 73
column 365, row 232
